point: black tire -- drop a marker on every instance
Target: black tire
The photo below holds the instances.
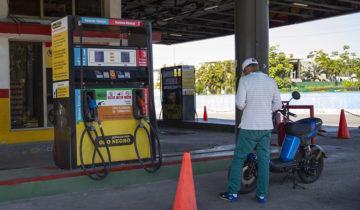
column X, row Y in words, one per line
column 313, row 172
column 249, row 178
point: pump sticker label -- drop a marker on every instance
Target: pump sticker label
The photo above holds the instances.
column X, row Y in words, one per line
column 116, row 140
column 141, row 58
column 77, row 56
column 134, row 23
column 60, row 49
column 91, row 20
column 112, row 104
column 188, row 77
column 61, row 89
column 146, row 98
column 116, row 106
column 48, row 56
column 78, row 109
column 115, row 112
column 117, row 22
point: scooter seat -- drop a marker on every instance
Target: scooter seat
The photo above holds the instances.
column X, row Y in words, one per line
column 303, row 127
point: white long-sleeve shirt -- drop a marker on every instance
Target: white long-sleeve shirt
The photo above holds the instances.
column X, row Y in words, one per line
column 258, row 96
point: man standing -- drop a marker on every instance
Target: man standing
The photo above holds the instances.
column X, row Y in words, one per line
column 258, row 97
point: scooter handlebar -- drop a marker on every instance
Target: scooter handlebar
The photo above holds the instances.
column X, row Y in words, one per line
column 285, row 112
column 282, row 111
column 292, row 114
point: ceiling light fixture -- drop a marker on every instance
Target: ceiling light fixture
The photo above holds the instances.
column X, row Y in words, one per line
column 300, row 4
column 178, row 35
column 211, row 7
column 170, row 18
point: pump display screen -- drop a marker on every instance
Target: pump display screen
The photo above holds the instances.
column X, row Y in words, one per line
column 111, row 57
column 99, row 56
column 125, row 57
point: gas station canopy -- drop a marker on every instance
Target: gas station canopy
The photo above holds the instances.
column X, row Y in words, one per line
column 188, row 20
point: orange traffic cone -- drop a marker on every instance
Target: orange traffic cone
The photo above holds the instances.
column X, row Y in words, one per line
column 343, row 129
column 185, row 193
column 205, row 118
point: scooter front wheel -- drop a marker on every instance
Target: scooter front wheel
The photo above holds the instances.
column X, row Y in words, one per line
column 249, row 176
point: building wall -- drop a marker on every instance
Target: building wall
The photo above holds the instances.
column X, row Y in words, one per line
column 8, row 136
column 3, row 8
column 5, row 63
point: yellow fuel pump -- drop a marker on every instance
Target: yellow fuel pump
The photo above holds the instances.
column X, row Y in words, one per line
column 103, row 95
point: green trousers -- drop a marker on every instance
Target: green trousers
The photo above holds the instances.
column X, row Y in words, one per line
column 247, row 141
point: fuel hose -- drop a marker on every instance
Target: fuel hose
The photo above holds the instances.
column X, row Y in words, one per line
column 91, row 129
column 155, row 156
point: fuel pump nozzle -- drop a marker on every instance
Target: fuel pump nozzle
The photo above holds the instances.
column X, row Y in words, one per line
column 141, row 103
column 139, row 110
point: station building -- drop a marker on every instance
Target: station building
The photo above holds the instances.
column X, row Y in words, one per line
column 26, row 107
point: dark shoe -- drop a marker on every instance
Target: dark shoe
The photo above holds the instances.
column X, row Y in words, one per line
column 228, row 196
column 261, row 199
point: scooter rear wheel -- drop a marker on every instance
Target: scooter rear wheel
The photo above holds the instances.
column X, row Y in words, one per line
column 312, row 169
column 249, row 177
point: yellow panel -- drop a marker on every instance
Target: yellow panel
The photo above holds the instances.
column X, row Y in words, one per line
column 118, row 153
column 172, row 111
column 188, row 79
column 60, row 56
column 12, row 137
column 48, row 57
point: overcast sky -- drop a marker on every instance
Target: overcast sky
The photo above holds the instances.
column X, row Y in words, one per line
column 329, row 34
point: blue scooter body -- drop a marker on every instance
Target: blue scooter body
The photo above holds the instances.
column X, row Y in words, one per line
column 289, row 148
column 306, row 128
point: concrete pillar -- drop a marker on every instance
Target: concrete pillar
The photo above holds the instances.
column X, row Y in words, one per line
column 4, row 8
column 251, row 37
column 112, row 8
column 5, row 63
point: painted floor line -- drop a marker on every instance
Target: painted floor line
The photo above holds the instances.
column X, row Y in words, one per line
column 116, row 169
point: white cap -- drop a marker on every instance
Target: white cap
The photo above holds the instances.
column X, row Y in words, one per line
column 249, row 61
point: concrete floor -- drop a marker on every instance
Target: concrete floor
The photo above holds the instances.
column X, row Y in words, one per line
column 337, row 188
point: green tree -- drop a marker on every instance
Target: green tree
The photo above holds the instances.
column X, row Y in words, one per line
column 325, row 62
column 337, row 63
column 344, row 61
column 216, row 78
column 311, row 72
column 279, row 67
column 355, row 67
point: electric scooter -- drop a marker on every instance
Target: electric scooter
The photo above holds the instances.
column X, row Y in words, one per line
column 297, row 155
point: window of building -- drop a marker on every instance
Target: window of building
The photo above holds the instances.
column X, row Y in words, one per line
column 56, row 8
column 88, row 8
column 24, row 7
column 26, row 85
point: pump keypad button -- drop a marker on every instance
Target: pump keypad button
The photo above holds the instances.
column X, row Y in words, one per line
column 106, row 75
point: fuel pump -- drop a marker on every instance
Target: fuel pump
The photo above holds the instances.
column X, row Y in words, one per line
column 178, row 93
column 103, row 95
